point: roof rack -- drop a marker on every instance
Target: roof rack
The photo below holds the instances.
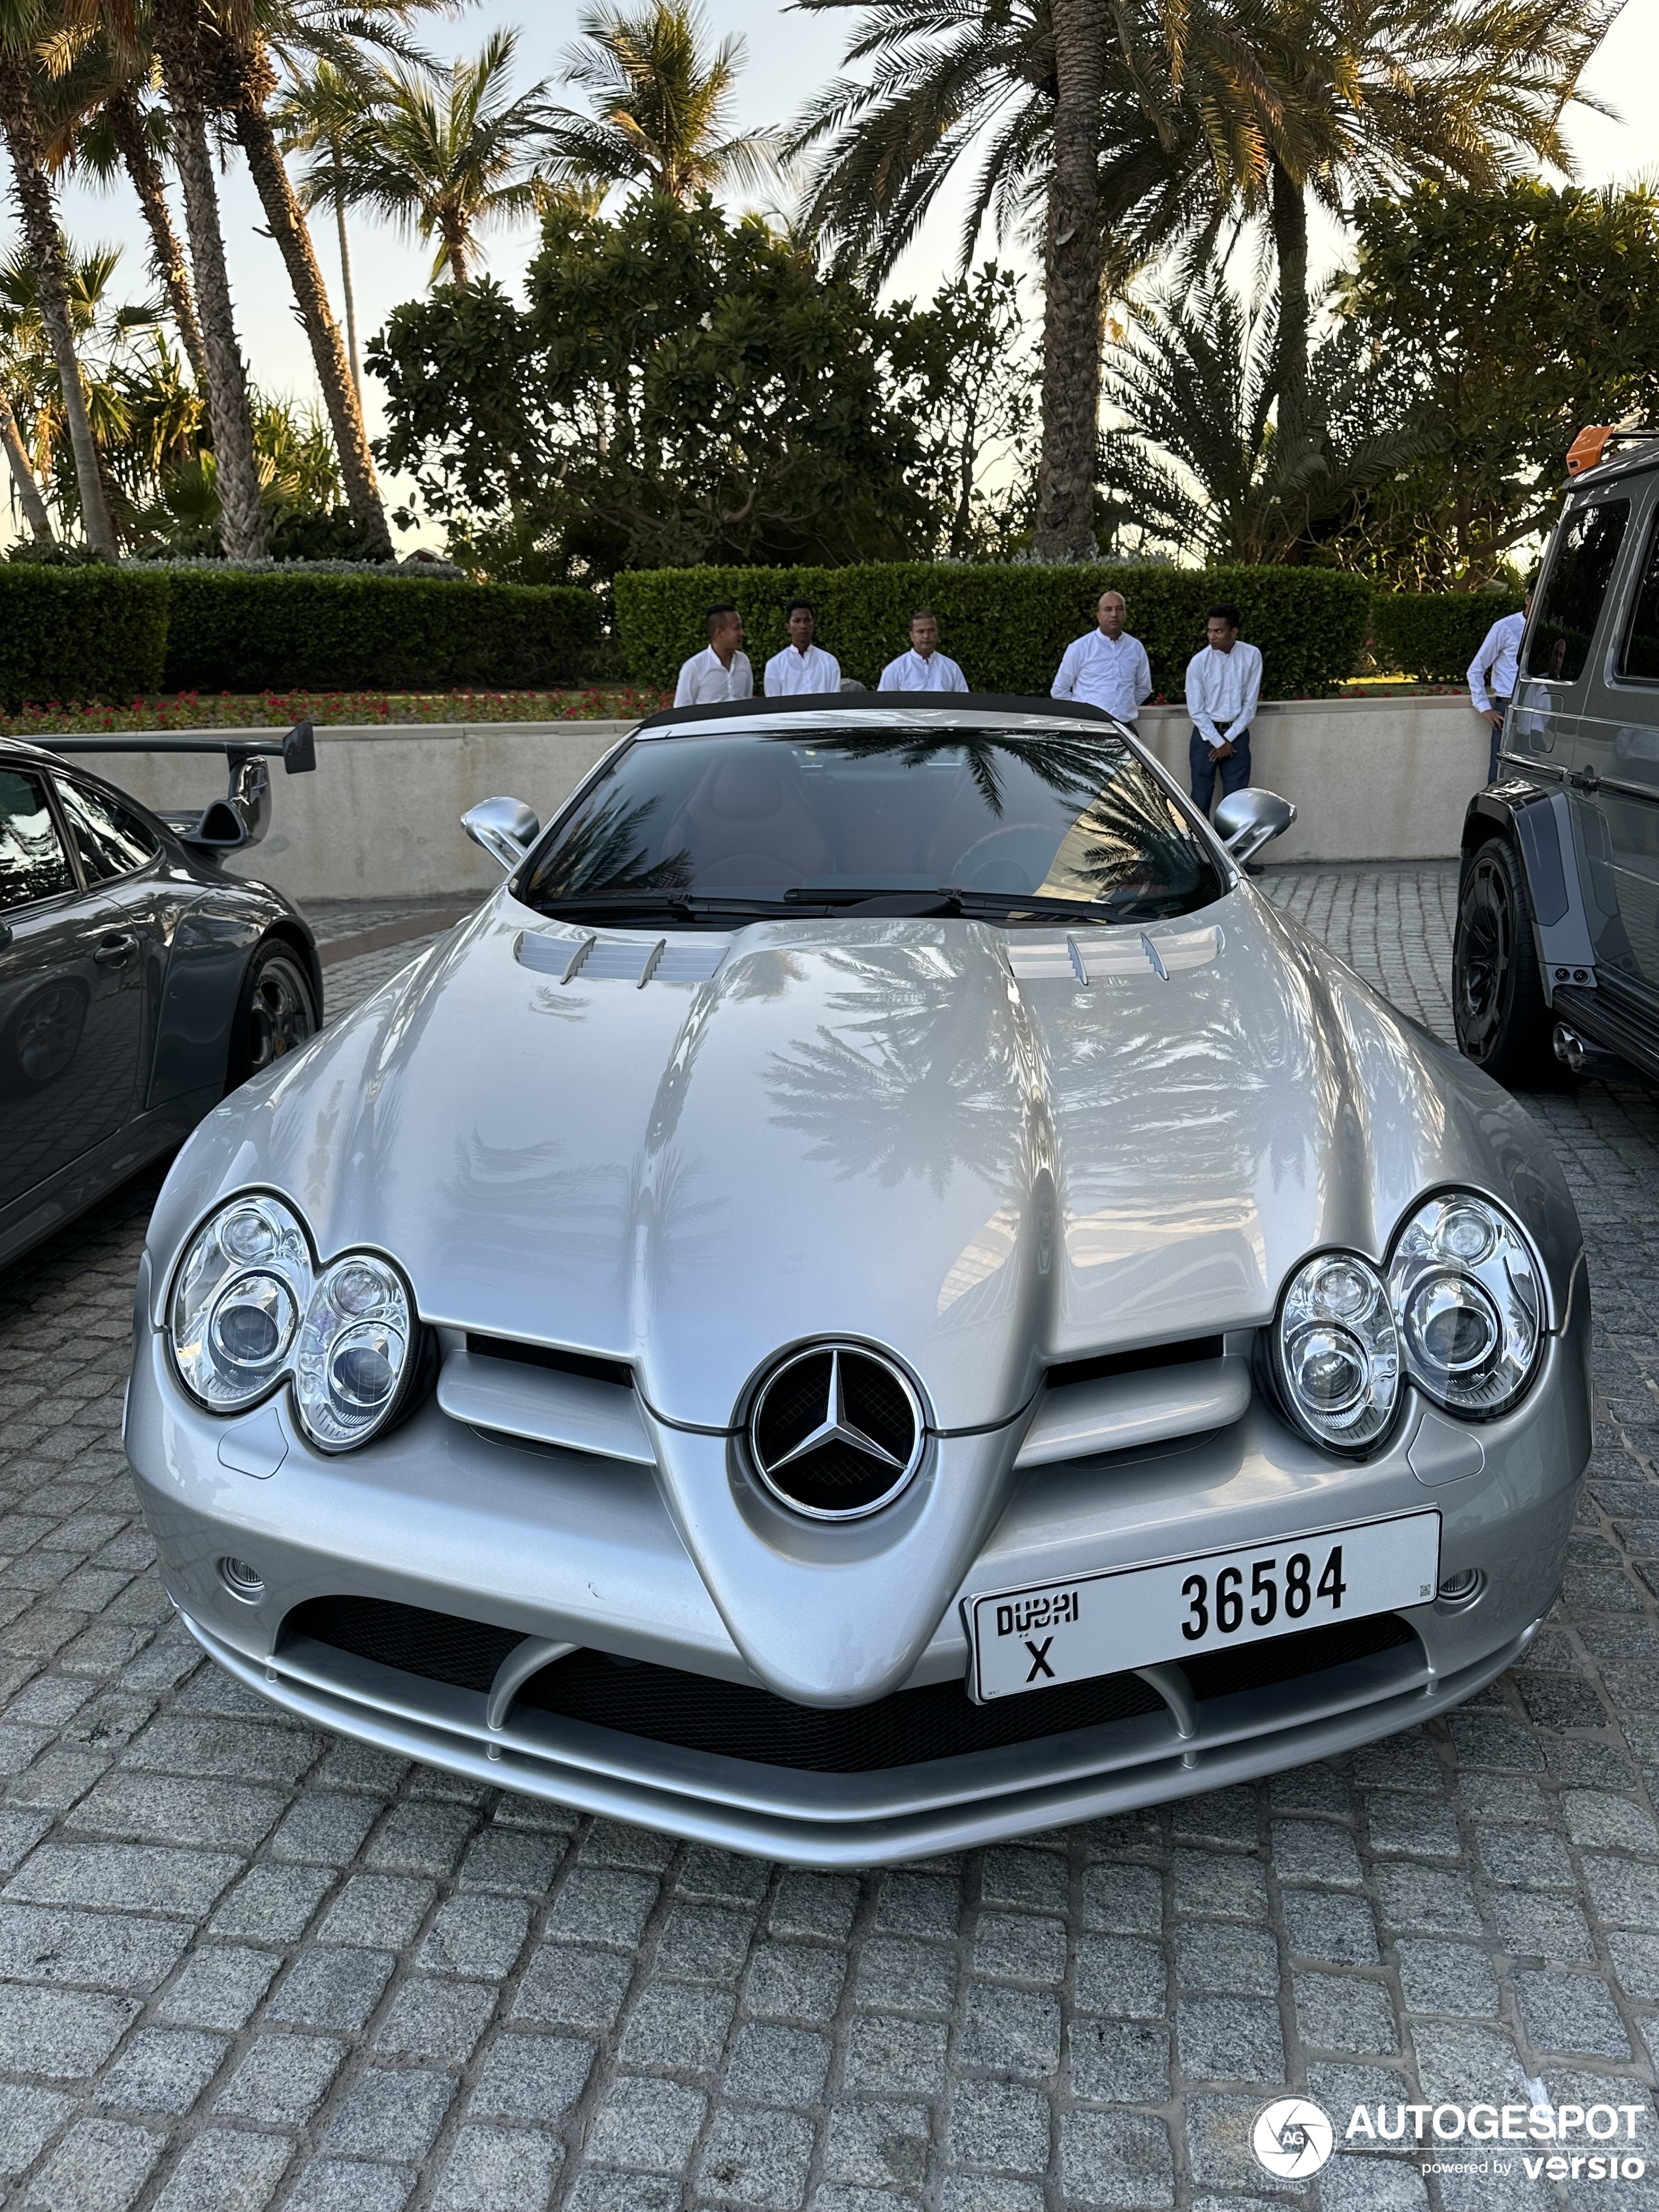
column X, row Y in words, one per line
column 1589, row 449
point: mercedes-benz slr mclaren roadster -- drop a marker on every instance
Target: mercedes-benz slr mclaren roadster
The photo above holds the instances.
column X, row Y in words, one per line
column 876, row 1296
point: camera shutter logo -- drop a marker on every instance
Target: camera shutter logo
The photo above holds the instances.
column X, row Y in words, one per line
column 1292, row 2138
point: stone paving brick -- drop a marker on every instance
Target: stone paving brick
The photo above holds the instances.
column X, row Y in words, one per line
column 243, row 1963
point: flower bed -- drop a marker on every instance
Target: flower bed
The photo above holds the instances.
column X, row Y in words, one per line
column 232, row 710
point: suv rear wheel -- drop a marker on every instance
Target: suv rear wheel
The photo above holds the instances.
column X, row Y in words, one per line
column 1502, row 1021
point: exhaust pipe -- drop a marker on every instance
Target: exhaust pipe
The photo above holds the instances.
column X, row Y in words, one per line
column 1584, row 1057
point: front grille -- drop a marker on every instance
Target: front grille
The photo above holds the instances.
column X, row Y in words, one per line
column 445, row 1649
column 698, row 1713
column 734, row 1720
column 1285, row 1658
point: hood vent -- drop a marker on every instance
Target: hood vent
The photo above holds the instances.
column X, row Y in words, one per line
column 1120, row 957
column 638, row 961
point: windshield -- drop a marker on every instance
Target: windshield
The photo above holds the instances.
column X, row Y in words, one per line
column 1014, row 826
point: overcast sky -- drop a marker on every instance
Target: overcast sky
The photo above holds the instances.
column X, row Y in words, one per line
column 788, row 53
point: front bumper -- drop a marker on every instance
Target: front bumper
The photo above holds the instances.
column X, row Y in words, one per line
column 553, row 1545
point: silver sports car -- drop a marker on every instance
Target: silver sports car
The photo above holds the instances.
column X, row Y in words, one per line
column 876, row 1296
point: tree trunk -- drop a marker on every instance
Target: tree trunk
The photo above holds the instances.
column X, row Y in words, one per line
column 1289, row 217
column 166, row 254
column 346, row 292
column 22, row 475
column 241, row 517
column 1071, row 322
column 288, row 228
column 45, row 243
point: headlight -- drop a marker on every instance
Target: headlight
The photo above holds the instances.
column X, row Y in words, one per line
column 1336, row 1352
column 1467, row 1288
column 354, row 1349
column 250, row 1308
column 236, row 1305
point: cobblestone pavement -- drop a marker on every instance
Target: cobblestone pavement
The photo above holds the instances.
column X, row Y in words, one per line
column 243, row 1965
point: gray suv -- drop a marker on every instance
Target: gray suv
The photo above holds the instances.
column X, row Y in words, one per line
column 1557, row 953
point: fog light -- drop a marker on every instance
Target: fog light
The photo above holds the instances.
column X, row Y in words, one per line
column 241, row 1580
column 1459, row 1588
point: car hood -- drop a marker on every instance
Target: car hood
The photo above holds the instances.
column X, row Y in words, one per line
column 972, row 1147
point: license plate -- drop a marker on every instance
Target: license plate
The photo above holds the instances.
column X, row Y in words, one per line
column 1068, row 1632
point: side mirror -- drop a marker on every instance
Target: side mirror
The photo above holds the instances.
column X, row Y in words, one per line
column 506, row 829
column 1247, row 820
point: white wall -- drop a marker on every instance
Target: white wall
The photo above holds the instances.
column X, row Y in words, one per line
column 1372, row 780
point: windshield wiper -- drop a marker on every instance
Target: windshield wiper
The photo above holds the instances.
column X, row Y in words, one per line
column 687, row 902
column 952, row 899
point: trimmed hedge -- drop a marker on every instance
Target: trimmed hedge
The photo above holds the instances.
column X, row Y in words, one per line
column 233, row 630
column 116, row 634
column 72, row 634
column 1007, row 626
column 1434, row 635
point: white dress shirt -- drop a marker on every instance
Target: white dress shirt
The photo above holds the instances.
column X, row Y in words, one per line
column 1113, row 672
column 915, row 671
column 1496, row 662
column 790, row 672
column 1222, row 691
column 706, row 680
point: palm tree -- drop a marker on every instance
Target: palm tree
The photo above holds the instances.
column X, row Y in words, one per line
column 24, row 480
column 23, row 23
column 100, row 125
column 1256, row 104
column 247, row 79
column 1064, row 109
column 1207, row 465
column 313, row 117
column 1338, row 98
column 449, row 162
column 660, row 105
column 187, row 43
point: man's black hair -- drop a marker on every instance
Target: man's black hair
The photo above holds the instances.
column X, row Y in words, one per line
column 921, row 614
column 793, row 604
column 714, row 617
column 1226, row 612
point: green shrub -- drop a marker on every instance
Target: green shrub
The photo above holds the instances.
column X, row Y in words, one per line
column 1007, row 626
column 1434, row 635
column 80, row 633
column 250, row 630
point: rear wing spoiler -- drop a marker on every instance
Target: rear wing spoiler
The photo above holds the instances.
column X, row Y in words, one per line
column 241, row 817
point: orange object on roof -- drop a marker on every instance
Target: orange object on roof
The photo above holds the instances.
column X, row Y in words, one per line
column 1588, row 447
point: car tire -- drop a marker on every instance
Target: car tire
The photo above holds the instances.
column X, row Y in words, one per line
column 1499, row 1009
column 276, row 1013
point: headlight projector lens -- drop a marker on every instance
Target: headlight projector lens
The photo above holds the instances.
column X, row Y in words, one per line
column 1470, row 1299
column 353, row 1351
column 236, row 1304
column 1337, row 1351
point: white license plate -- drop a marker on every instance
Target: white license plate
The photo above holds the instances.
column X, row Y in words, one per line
column 1068, row 1632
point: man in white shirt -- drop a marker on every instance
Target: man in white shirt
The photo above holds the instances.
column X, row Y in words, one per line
column 924, row 668
column 1223, row 685
column 1492, row 674
column 801, row 666
column 1107, row 666
column 721, row 671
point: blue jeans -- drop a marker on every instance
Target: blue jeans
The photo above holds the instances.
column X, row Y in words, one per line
column 1234, row 773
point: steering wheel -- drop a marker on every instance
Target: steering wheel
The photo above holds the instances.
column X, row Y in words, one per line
column 995, row 863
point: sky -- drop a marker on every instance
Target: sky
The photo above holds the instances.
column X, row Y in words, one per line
column 788, row 53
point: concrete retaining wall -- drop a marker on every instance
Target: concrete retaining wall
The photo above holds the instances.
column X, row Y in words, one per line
column 1373, row 779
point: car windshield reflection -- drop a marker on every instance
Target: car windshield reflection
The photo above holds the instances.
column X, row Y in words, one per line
column 997, row 824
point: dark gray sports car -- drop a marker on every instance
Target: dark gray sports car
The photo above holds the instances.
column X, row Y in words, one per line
column 139, row 980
